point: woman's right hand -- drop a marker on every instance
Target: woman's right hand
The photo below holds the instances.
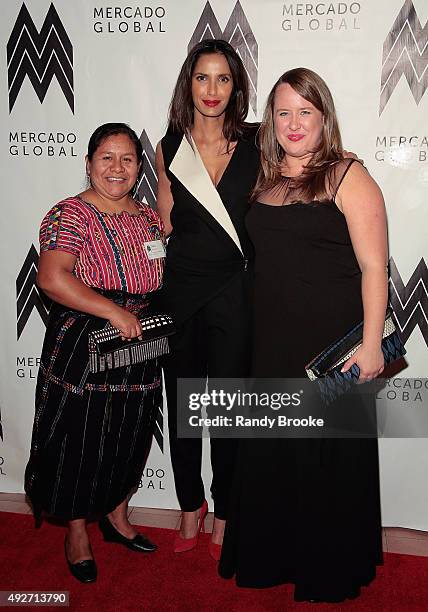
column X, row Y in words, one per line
column 127, row 323
column 55, row 276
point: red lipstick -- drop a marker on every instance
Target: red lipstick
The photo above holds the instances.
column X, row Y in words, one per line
column 295, row 137
column 211, row 103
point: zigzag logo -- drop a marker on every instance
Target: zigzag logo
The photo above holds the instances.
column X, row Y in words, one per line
column 158, row 432
column 239, row 34
column 147, row 183
column 405, row 51
column 28, row 295
column 410, row 302
column 40, row 56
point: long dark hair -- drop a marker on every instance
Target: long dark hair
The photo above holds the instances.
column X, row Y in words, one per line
column 312, row 183
column 180, row 116
column 112, row 129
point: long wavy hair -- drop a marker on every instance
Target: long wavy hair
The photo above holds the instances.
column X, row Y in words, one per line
column 314, row 182
column 181, row 109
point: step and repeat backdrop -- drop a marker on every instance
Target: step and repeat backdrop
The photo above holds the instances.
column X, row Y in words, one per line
column 67, row 67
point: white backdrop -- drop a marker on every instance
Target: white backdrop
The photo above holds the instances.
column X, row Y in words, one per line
column 70, row 66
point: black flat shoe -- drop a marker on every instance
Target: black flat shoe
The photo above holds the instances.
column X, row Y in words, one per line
column 84, row 571
column 139, row 543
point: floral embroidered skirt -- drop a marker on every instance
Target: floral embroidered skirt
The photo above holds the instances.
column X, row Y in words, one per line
column 92, row 432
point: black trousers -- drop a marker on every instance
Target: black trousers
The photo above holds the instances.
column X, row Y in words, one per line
column 213, row 342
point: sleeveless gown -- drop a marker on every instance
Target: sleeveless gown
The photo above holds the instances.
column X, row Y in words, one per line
column 303, row 511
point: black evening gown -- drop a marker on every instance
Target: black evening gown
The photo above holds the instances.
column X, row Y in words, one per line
column 303, row 511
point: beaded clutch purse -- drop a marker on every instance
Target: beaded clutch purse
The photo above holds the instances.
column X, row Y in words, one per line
column 325, row 367
column 108, row 351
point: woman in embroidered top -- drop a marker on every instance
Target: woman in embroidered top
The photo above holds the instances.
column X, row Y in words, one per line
column 92, row 431
column 207, row 164
column 319, row 232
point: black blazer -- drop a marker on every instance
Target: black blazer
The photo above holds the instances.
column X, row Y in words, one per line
column 202, row 257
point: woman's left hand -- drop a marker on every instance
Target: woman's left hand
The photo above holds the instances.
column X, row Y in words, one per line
column 370, row 362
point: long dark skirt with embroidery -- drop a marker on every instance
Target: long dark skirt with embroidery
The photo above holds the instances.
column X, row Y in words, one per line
column 92, row 432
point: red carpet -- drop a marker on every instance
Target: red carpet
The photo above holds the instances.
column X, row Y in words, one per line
column 33, row 560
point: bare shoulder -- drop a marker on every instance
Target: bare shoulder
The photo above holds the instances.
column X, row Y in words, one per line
column 355, row 171
column 357, row 186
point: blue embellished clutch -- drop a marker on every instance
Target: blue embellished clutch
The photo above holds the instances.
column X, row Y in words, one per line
column 325, row 367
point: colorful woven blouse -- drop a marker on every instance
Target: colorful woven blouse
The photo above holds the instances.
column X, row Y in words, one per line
column 109, row 247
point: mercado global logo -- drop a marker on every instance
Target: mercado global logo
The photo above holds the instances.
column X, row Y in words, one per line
column 40, row 56
column 239, row 34
column 405, row 52
column 147, row 182
column 28, row 295
column 410, row 301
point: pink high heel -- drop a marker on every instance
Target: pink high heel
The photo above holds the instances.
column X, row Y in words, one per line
column 184, row 544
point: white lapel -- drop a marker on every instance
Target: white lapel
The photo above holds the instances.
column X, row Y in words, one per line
column 190, row 170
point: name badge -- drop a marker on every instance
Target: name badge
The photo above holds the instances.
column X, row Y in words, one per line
column 154, row 249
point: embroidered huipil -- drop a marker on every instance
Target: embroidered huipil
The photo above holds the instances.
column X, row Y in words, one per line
column 109, row 247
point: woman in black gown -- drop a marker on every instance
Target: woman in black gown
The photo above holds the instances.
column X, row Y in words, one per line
column 307, row 511
column 207, row 164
